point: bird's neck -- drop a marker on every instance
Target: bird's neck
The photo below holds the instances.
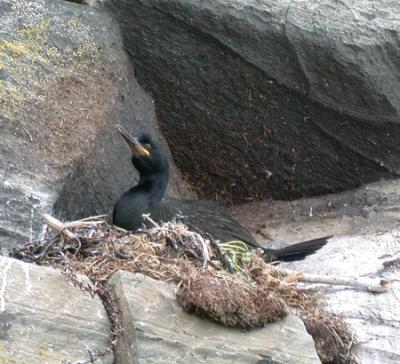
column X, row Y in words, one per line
column 138, row 200
column 154, row 186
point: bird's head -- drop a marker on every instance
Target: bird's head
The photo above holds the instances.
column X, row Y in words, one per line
column 148, row 157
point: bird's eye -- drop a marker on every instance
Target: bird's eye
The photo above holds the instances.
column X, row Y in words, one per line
column 147, row 146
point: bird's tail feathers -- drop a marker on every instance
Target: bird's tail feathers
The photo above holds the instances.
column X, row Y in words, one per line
column 296, row 251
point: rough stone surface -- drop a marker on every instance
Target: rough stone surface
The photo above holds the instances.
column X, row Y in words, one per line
column 365, row 223
column 371, row 209
column 45, row 319
column 277, row 99
column 65, row 80
column 374, row 318
column 158, row 331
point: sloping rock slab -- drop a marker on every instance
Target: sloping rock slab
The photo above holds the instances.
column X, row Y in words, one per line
column 45, row 319
column 300, row 97
column 157, row 330
column 374, row 318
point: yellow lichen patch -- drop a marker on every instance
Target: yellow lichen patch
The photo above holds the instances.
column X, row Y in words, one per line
column 32, row 62
column 16, row 48
column 54, row 54
column 84, row 50
column 36, row 33
column 42, row 352
column 6, row 358
column 73, row 22
column 11, row 100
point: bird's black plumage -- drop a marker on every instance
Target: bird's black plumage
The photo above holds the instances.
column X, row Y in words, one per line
column 208, row 217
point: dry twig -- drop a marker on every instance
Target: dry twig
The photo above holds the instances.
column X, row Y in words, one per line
column 374, row 285
column 58, row 226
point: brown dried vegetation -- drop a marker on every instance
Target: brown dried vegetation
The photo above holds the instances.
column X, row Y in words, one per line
column 260, row 293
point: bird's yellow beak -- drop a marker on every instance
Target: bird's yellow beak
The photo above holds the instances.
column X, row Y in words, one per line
column 136, row 147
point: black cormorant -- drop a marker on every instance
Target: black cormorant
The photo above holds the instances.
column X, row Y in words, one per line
column 202, row 216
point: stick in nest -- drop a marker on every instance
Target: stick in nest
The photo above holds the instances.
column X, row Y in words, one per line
column 375, row 285
column 175, row 232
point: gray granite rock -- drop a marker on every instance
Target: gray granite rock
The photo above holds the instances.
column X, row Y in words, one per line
column 45, row 319
column 157, row 330
column 373, row 318
column 280, row 99
column 65, row 80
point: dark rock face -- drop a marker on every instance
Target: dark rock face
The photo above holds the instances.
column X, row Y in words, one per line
column 270, row 99
column 65, row 80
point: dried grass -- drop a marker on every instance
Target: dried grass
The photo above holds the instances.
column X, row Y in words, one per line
column 229, row 300
column 259, row 294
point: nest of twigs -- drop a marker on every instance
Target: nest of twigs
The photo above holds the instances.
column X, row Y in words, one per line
column 255, row 294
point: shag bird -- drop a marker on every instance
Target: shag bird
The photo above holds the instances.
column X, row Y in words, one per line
column 151, row 162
